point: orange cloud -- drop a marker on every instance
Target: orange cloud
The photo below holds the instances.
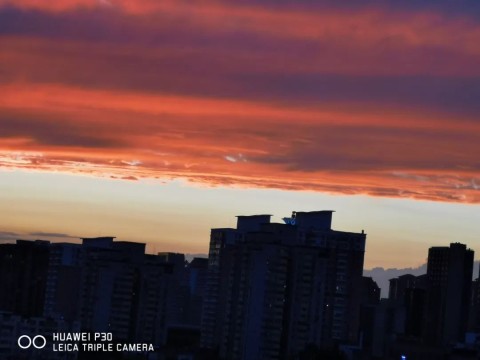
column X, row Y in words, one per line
column 359, row 101
column 228, row 142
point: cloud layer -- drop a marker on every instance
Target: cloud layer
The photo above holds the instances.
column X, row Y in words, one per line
column 379, row 99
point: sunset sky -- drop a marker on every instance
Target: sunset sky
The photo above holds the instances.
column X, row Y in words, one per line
column 156, row 120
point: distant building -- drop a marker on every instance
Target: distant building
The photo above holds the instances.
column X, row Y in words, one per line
column 272, row 289
column 23, row 277
column 161, row 301
column 415, row 307
column 370, row 294
column 407, row 299
column 102, row 285
column 110, row 286
column 369, row 301
column 12, row 327
column 449, row 279
column 197, row 282
column 474, row 318
column 220, row 261
column 397, row 287
column 62, row 294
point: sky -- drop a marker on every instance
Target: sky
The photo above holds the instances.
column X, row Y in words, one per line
column 155, row 121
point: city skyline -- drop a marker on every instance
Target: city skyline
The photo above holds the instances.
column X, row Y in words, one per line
column 266, row 290
column 135, row 119
column 382, row 276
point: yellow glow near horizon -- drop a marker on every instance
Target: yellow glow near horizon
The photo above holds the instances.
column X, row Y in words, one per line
column 177, row 216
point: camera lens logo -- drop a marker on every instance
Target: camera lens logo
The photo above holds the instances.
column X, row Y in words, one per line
column 38, row 342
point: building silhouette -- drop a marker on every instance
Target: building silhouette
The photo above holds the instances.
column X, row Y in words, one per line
column 110, row 286
column 291, row 290
column 449, row 279
column 427, row 316
column 62, row 293
column 100, row 285
column 369, row 302
column 23, row 277
column 474, row 322
column 273, row 289
column 407, row 304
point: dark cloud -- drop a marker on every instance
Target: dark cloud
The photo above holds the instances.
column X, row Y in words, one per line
column 216, row 64
column 440, row 94
column 167, row 56
column 372, row 147
column 11, row 237
column 51, row 235
column 54, row 130
column 8, row 236
column 452, row 8
column 79, row 25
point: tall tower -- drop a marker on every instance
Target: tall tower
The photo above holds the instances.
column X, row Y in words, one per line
column 449, row 279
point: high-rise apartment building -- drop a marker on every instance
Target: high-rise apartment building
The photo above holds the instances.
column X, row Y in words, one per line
column 406, row 306
column 102, row 285
column 449, row 280
column 23, row 277
column 110, row 285
column 62, row 293
column 474, row 321
column 272, row 289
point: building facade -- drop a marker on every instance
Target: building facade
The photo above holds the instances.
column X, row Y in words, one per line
column 272, row 289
